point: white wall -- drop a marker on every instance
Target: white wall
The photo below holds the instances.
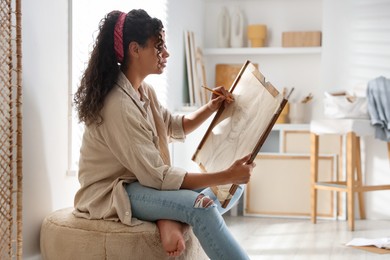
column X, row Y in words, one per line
column 45, row 96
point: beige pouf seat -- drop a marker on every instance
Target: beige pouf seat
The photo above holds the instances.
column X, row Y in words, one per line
column 63, row 236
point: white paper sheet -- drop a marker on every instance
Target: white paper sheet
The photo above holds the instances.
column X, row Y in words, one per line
column 378, row 242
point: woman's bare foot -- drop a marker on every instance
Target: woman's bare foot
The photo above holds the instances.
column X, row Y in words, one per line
column 172, row 239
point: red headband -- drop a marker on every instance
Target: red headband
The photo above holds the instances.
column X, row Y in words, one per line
column 118, row 37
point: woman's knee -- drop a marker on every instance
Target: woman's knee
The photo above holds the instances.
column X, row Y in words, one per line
column 203, row 201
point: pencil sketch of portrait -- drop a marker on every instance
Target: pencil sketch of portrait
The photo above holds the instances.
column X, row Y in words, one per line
column 240, row 126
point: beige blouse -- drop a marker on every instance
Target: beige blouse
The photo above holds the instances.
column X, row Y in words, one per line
column 130, row 145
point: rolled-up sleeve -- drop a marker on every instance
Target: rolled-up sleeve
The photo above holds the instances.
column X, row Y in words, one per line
column 173, row 178
column 176, row 128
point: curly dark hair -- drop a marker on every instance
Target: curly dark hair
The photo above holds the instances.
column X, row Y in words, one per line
column 103, row 69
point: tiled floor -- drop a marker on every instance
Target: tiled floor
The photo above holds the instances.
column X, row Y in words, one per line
column 279, row 238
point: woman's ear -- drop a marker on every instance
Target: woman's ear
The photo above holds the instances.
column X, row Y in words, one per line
column 133, row 49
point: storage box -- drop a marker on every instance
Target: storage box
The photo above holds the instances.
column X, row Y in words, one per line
column 341, row 105
column 225, row 74
column 301, row 39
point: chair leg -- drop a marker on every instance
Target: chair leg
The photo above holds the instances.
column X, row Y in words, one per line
column 339, row 176
column 388, row 150
column 351, row 140
column 314, row 175
column 359, row 179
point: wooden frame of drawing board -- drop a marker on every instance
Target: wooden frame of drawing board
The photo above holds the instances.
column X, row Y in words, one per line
column 241, row 127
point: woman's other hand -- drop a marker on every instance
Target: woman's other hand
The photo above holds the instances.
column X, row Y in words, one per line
column 240, row 172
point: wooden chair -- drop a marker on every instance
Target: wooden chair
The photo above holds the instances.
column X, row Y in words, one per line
column 353, row 129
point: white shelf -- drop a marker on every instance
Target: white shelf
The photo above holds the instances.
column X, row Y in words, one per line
column 261, row 51
column 294, row 127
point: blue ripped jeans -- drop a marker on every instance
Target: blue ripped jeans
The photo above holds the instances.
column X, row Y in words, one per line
column 207, row 223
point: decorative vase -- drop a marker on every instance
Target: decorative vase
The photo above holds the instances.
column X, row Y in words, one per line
column 223, row 28
column 297, row 113
column 237, row 29
column 257, row 35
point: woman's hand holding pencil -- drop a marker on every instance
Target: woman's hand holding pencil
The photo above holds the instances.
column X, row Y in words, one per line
column 219, row 92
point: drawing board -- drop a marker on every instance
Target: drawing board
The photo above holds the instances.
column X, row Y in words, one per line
column 241, row 127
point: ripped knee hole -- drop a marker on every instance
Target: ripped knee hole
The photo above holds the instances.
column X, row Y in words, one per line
column 203, row 201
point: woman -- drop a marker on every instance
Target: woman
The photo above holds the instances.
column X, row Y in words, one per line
column 124, row 171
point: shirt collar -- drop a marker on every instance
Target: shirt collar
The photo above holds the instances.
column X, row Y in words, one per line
column 126, row 86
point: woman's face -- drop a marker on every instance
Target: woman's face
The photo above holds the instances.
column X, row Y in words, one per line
column 153, row 60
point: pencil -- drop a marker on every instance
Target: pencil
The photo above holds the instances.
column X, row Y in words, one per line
column 217, row 93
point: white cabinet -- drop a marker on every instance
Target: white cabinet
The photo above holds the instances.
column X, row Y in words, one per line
column 280, row 183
